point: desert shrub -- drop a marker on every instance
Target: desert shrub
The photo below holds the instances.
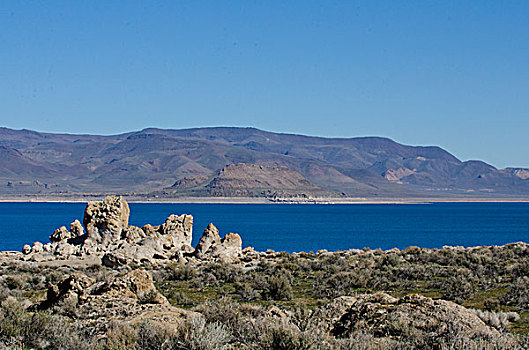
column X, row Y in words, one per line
column 301, row 317
column 265, row 267
column 197, row 334
column 498, row 320
column 520, row 269
column 457, row 288
column 19, row 327
column 53, row 276
column 13, row 282
column 518, row 294
column 224, row 272
column 336, row 285
column 223, row 310
column 363, row 341
column 61, row 334
column 273, row 334
column 180, row 298
column 491, row 304
column 67, row 307
column 152, row 335
column 289, row 266
column 465, row 341
column 333, row 263
column 35, row 282
column 180, row 272
column 389, row 260
column 246, row 292
column 14, row 321
column 256, row 280
column 120, row 336
column 103, row 275
column 4, row 293
column 278, row 288
column 22, row 329
column 205, row 279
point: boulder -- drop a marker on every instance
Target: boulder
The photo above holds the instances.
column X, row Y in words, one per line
column 60, row 234
column 140, row 282
column 105, row 220
column 152, row 243
column 64, row 249
column 131, row 299
column 114, row 260
column 328, row 314
column 37, row 247
column 76, row 229
column 26, row 249
column 383, row 316
column 150, row 230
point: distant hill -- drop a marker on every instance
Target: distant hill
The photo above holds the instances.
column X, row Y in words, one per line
column 250, row 180
column 153, row 160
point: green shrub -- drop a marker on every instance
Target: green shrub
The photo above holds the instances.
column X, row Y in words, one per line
column 518, row 293
column 180, row 272
column 246, row 292
column 278, row 288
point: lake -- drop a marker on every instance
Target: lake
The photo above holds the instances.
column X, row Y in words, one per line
column 292, row 227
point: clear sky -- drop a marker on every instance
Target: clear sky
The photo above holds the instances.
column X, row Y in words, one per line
column 447, row 73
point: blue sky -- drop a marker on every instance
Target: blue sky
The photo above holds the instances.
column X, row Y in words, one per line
column 447, row 73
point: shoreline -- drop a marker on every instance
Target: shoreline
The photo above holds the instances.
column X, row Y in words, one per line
column 247, row 200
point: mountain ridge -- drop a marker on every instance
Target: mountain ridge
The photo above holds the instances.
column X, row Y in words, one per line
column 153, row 159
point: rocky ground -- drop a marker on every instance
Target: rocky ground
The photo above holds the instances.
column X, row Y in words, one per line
column 105, row 284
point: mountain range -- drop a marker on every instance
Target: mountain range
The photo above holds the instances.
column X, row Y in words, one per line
column 229, row 161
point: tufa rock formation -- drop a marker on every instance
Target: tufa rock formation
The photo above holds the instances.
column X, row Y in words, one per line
column 111, row 239
column 106, row 220
column 211, row 246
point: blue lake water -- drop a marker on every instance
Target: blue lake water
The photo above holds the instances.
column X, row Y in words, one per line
column 301, row 227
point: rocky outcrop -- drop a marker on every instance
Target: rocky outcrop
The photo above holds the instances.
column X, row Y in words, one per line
column 393, row 175
column 178, row 229
column 229, row 248
column 328, row 314
column 383, row 316
column 211, row 246
column 76, row 229
column 131, row 298
column 209, row 237
column 60, row 234
column 73, row 289
column 106, row 220
column 140, row 282
column 153, row 242
column 109, row 238
column 78, row 288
